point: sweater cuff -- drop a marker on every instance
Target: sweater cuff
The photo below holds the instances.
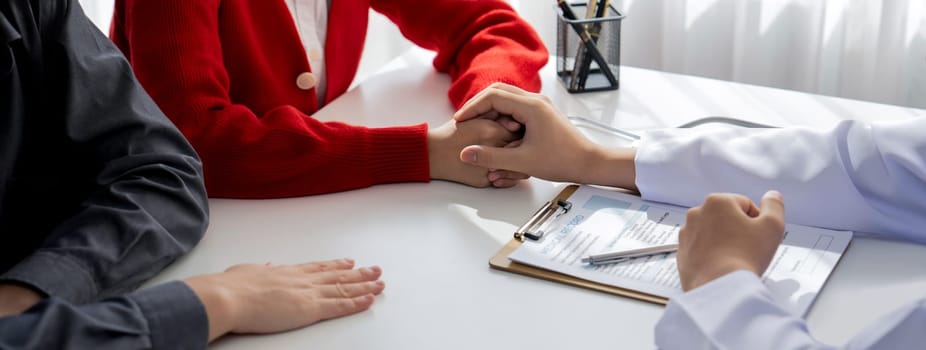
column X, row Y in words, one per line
column 176, row 317
column 54, row 275
column 399, row 154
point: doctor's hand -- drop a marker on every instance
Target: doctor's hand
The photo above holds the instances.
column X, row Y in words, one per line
column 254, row 298
column 729, row 233
column 447, row 141
column 551, row 149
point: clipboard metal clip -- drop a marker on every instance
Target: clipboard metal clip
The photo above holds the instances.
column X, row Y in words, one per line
column 533, row 228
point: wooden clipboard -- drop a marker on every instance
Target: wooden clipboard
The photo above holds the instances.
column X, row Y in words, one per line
column 501, row 262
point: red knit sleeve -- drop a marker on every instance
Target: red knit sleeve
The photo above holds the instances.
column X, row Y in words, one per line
column 477, row 42
column 175, row 49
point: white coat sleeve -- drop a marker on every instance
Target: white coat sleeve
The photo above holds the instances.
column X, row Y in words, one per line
column 737, row 312
column 854, row 176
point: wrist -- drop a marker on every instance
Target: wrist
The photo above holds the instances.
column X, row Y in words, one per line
column 610, row 167
column 433, row 170
column 15, row 299
column 218, row 302
column 706, row 275
column 436, row 158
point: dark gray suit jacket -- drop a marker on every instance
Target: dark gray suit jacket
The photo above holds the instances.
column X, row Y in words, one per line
column 98, row 190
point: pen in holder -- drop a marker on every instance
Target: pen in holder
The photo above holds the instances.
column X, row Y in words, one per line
column 588, row 50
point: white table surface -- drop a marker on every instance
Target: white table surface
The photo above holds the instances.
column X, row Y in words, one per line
column 434, row 240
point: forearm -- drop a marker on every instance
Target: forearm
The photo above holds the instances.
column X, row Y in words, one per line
column 163, row 317
column 288, row 154
column 874, row 171
column 135, row 201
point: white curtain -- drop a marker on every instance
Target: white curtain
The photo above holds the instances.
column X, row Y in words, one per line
column 862, row 49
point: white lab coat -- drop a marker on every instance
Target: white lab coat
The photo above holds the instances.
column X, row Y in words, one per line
column 868, row 178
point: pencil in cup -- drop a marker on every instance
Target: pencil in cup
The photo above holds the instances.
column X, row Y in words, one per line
column 585, row 64
column 576, row 34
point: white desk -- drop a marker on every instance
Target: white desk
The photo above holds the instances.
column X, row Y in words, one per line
column 434, row 240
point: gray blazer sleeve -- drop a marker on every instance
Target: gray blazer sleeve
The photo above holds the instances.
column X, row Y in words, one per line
column 168, row 316
column 147, row 204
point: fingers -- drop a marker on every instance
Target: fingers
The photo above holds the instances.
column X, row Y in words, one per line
column 723, row 201
column 491, row 157
column 515, row 143
column 364, row 274
column 351, row 290
column 508, row 123
column 501, row 101
column 338, row 307
column 505, row 183
column 495, row 86
column 745, row 204
column 504, row 120
column 505, row 174
column 773, row 208
column 505, row 178
column 339, row 264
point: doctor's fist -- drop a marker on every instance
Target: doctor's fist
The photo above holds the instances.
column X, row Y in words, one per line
column 729, row 233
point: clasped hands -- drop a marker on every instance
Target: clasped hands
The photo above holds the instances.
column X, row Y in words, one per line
column 485, row 145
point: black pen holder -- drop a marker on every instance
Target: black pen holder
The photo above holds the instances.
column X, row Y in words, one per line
column 588, row 50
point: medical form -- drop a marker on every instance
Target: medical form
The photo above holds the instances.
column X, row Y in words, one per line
column 605, row 220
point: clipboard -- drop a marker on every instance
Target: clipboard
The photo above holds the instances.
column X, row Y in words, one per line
column 547, row 212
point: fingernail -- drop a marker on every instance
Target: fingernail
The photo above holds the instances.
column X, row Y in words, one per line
column 773, row 193
column 494, row 176
column 470, row 156
column 348, row 260
column 380, row 283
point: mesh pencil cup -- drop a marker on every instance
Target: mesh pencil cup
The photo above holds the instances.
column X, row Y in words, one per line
column 588, row 50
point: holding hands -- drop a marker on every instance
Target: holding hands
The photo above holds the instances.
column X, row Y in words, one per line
column 551, row 147
column 446, row 142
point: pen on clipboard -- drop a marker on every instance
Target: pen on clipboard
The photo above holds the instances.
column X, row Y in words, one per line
column 618, row 256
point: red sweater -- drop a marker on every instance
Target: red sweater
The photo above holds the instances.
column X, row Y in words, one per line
column 225, row 72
